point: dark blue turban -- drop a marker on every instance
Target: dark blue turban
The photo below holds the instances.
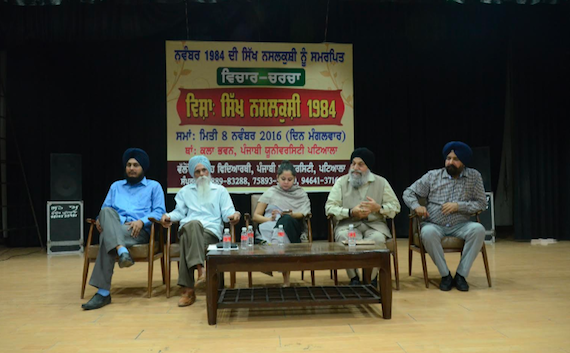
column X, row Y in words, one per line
column 461, row 150
column 137, row 154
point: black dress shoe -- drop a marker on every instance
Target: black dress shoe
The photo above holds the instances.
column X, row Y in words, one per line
column 355, row 281
column 125, row 260
column 446, row 283
column 461, row 283
column 98, row 301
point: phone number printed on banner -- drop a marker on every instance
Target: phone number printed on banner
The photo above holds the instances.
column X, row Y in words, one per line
column 314, row 180
column 232, row 181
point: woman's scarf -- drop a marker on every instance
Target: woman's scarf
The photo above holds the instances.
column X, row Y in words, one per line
column 294, row 199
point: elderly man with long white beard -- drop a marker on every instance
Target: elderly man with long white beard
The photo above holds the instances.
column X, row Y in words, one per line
column 201, row 208
column 363, row 199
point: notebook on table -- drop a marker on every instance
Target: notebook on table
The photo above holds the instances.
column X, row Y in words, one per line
column 361, row 242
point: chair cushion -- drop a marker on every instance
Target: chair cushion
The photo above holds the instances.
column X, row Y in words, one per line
column 174, row 250
column 447, row 242
column 452, row 243
column 390, row 244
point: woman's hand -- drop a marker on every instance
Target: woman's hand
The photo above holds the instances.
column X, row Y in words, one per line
column 274, row 214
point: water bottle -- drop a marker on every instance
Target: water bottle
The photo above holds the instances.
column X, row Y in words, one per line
column 280, row 235
column 351, row 235
column 250, row 235
column 244, row 238
column 227, row 239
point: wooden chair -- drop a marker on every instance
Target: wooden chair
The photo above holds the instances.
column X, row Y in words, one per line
column 308, row 235
column 391, row 244
column 172, row 253
column 450, row 244
column 140, row 253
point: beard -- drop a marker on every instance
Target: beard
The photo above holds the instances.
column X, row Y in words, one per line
column 204, row 191
column 357, row 178
column 135, row 180
column 453, row 170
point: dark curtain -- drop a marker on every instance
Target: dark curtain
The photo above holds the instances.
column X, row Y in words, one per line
column 89, row 79
column 540, row 90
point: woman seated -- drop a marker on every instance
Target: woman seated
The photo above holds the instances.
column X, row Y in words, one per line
column 283, row 204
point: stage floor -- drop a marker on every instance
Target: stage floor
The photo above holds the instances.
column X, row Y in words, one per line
column 526, row 310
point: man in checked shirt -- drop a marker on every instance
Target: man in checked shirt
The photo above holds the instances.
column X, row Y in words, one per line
column 453, row 195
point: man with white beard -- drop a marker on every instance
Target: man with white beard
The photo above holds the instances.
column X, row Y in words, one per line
column 363, row 199
column 201, row 208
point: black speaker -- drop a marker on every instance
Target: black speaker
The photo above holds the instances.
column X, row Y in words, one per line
column 65, row 172
column 482, row 162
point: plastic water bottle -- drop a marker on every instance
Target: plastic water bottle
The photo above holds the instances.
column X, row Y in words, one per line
column 351, row 235
column 250, row 235
column 244, row 238
column 227, row 239
column 280, row 235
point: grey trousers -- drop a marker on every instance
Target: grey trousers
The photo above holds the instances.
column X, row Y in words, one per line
column 363, row 231
column 114, row 234
column 194, row 240
column 472, row 232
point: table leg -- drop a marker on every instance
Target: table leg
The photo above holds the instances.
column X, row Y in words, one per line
column 366, row 275
column 385, row 282
column 221, row 280
column 212, row 292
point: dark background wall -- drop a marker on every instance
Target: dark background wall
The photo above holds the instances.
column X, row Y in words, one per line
column 89, row 79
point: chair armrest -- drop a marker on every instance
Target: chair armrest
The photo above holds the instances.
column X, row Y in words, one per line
column 248, row 219
column 92, row 223
column 330, row 224
column 412, row 214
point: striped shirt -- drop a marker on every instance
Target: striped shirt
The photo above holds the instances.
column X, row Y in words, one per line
column 438, row 187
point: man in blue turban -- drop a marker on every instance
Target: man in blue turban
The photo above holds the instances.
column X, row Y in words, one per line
column 201, row 208
column 124, row 222
column 453, row 194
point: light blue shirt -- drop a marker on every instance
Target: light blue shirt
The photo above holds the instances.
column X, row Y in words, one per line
column 211, row 214
column 139, row 201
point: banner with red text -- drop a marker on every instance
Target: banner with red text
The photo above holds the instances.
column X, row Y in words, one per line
column 248, row 106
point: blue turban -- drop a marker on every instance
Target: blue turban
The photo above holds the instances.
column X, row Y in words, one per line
column 194, row 161
column 462, row 150
column 139, row 155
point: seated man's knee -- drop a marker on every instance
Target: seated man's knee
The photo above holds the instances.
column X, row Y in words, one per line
column 191, row 229
column 377, row 237
column 477, row 230
column 429, row 232
column 106, row 211
column 340, row 235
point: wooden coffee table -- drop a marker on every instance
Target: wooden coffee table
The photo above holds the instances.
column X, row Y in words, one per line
column 297, row 257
